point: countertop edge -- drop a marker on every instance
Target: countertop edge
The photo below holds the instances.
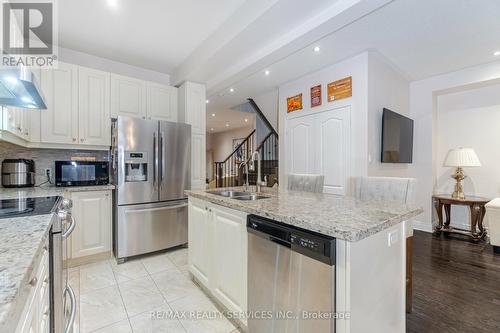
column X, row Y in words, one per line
column 355, row 237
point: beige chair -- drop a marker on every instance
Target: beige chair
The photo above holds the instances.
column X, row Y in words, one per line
column 399, row 190
column 306, row 183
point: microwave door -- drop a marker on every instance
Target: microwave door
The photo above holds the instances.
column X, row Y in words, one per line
column 138, row 157
column 175, row 160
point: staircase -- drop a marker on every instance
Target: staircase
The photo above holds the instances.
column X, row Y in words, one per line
column 231, row 171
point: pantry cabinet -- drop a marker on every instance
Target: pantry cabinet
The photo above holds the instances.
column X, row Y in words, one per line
column 192, row 110
column 128, row 97
column 218, row 252
column 92, row 234
column 59, row 123
column 94, row 117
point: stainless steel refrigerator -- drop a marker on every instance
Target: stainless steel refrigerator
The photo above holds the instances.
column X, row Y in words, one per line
column 151, row 169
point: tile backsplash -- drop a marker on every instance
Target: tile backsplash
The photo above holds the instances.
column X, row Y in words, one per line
column 44, row 158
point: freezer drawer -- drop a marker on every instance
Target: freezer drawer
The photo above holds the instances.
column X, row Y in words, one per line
column 150, row 227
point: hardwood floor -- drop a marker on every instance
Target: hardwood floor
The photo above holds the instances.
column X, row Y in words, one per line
column 456, row 286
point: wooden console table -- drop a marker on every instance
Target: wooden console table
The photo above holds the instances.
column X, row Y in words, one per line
column 477, row 211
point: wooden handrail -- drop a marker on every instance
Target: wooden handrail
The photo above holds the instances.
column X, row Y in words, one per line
column 238, row 147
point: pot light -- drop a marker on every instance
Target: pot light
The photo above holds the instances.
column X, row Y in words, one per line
column 213, row 114
column 496, row 54
column 267, row 72
column 212, row 129
column 207, row 101
column 246, row 120
column 227, row 124
column 316, row 49
column 231, row 90
column 113, row 3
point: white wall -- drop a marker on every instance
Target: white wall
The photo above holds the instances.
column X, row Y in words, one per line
column 222, row 143
column 357, row 67
column 423, row 109
column 268, row 104
column 108, row 65
column 387, row 89
column 469, row 119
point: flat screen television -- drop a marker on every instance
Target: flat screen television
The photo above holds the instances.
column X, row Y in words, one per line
column 397, row 138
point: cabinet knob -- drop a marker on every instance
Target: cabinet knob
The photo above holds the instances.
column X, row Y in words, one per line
column 81, row 140
column 33, row 281
column 74, row 139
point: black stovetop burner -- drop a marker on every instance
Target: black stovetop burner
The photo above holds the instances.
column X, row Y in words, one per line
column 27, row 206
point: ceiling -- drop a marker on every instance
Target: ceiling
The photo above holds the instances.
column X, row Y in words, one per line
column 153, row 34
column 223, row 120
column 231, row 43
column 419, row 38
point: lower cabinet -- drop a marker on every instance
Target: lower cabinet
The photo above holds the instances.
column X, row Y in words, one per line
column 218, row 252
column 35, row 317
column 92, row 235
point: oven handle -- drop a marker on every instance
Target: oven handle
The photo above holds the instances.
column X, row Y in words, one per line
column 70, row 228
column 72, row 316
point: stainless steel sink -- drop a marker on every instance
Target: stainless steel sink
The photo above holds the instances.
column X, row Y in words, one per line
column 251, row 197
column 229, row 194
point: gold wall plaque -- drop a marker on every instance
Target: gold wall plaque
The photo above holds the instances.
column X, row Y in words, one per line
column 340, row 89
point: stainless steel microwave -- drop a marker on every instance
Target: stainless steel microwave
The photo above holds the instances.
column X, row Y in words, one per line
column 81, row 173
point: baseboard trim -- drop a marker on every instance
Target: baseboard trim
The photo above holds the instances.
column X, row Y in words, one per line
column 74, row 262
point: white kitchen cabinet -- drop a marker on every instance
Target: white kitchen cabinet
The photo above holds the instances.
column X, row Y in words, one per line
column 161, row 102
column 199, row 228
column 192, row 110
column 218, row 252
column 35, row 315
column 229, row 252
column 128, row 97
column 92, row 234
column 59, row 123
column 198, row 164
column 319, row 144
column 94, row 117
column 192, row 106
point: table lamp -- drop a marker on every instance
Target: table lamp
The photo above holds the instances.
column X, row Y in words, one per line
column 459, row 158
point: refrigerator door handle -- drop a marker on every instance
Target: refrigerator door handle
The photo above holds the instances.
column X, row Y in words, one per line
column 155, row 157
column 162, row 165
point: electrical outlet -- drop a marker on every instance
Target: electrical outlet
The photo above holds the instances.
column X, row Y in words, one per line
column 48, row 173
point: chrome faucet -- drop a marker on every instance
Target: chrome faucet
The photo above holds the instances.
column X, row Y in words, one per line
column 259, row 181
column 246, row 185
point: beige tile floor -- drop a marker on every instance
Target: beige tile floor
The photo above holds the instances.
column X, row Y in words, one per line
column 126, row 298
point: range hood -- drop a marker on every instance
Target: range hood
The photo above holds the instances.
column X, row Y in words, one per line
column 19, row 88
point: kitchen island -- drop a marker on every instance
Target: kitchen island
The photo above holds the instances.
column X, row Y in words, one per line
column 369, row 275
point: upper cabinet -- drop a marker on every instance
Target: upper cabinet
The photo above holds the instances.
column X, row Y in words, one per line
column 59, row 123
column 128, row 97
column 93, row 107
column 192, row 106
column 161, row 102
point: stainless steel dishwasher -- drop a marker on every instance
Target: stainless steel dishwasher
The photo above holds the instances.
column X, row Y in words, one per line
column 291, row 279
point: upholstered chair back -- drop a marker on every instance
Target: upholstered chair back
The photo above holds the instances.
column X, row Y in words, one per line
column 306, row 183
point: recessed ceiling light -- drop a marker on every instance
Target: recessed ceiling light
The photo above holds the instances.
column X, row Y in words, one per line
column 231, row 90
column 213, row 114
column 212, row 129
column 316, row 49
column 246, row 120
column 113, row 3
column 227, row 124
column 207, row 101
column 496, row 54
column 267, row 72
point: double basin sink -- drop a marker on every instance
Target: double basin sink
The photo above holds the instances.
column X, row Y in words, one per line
column 236, row 195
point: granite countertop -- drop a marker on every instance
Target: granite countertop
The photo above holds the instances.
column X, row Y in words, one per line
column 341, row 217
column 21, row 244
column 42, row 191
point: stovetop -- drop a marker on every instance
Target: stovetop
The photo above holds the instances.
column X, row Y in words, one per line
column 27, row 206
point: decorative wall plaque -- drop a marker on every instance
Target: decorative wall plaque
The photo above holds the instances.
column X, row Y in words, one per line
column 316, row 96
column 340, row 89
column 294, row 103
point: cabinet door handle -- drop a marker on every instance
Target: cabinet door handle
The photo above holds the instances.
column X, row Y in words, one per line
column 33, row 281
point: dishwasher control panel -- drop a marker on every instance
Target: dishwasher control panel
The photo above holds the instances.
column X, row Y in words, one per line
column 306, row 242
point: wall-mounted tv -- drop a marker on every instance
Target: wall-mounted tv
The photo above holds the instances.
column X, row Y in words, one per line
column 397, row 138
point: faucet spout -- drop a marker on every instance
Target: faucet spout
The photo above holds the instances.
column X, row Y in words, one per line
column 259, row 182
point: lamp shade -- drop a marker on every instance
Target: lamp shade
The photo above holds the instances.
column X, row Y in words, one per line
column 462, row 157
